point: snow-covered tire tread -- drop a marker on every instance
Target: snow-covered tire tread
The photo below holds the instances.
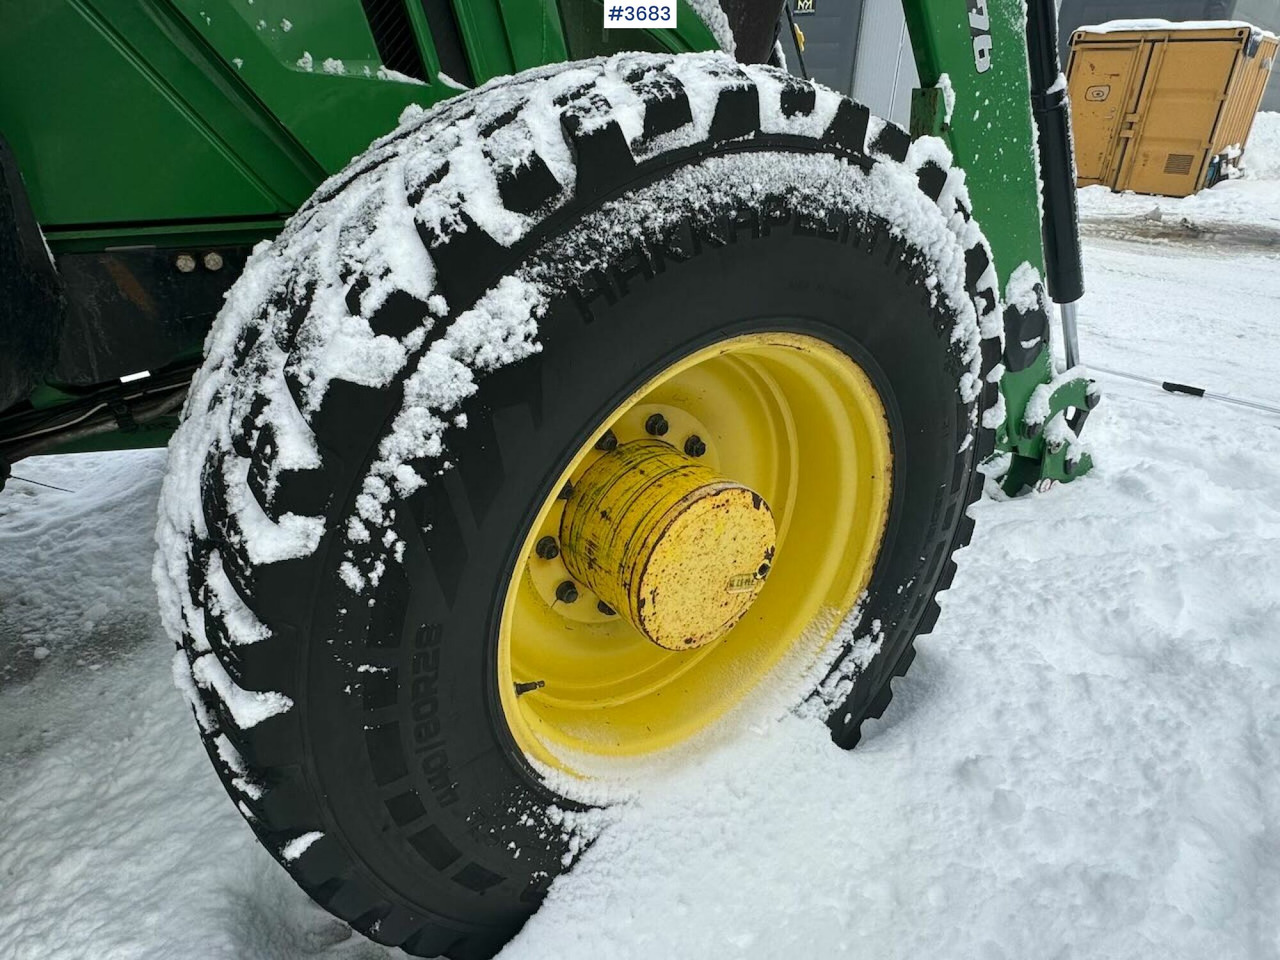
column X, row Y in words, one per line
column 249, row 493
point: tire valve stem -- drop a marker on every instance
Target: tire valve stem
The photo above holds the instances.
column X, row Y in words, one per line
column 547, row 548
column 529, row 687
column 567, row 592
column 657, row 425
column 694, row 446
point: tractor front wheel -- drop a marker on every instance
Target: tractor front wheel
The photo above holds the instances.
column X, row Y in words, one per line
column 581, row 410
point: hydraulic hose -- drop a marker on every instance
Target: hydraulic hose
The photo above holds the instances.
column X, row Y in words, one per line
column 1064, row 271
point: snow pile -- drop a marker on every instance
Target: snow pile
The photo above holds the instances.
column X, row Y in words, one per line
column 1262, row 151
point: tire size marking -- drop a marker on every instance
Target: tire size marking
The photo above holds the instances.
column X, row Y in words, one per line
column 980, row 31
column 425, row 708
column 651, row 257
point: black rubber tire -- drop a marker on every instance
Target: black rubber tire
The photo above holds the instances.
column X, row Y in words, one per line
column 435, row 834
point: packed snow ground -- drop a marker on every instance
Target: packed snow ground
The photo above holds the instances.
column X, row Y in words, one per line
column 1084, row 760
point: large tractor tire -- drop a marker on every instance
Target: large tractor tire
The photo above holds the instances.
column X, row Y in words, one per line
column 579, row 410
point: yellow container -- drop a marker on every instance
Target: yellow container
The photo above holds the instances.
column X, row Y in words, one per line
column 1164, row 108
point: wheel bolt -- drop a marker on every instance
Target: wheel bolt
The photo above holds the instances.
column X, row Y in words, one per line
column 547, row 548
column 212, row 260
column 565, row 492
column 1033, row 429
column 657, row 425
column 604, row 608
column 567, row 592
column 694, row 446
column 607, row 442
column 185, row 263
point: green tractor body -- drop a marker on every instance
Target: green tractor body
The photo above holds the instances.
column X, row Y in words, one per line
column 155, row 142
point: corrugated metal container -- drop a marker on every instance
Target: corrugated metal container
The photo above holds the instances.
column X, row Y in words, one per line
column 1160, row 107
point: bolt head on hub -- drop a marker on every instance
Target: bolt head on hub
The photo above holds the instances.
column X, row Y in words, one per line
column 694, row 446
column 547, row 548
column 567, row 592
column 607, row 442
column 657, row 425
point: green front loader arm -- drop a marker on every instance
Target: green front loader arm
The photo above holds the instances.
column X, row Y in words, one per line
column 975, row 93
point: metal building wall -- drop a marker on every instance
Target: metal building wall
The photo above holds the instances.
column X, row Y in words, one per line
column 861, row 48
column 884, row 69
column 831, row 33
column 1265, row 14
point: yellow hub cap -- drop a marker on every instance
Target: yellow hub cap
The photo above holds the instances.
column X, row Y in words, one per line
column 676, row 549
column 726, row 517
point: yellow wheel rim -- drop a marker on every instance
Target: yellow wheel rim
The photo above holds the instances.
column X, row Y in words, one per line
column 788, row 416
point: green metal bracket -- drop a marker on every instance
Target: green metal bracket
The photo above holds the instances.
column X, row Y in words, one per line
column 1049, row 448
column 929, row 113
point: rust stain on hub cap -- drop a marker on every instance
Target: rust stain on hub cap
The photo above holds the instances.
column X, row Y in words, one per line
column 673, row 547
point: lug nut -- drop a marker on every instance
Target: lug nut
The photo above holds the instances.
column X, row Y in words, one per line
column 657, row 425
column 185, row 263
column 547, row 548
column 1033, row 429
column 567, row 592
column 213, row 260
column 607, row 442
column 566, row 491
column 604, row 608
column 694, row 446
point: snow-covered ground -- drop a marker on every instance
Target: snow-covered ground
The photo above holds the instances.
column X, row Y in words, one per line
column 1083, row 762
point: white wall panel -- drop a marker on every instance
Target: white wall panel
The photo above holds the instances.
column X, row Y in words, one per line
column 884, row 72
